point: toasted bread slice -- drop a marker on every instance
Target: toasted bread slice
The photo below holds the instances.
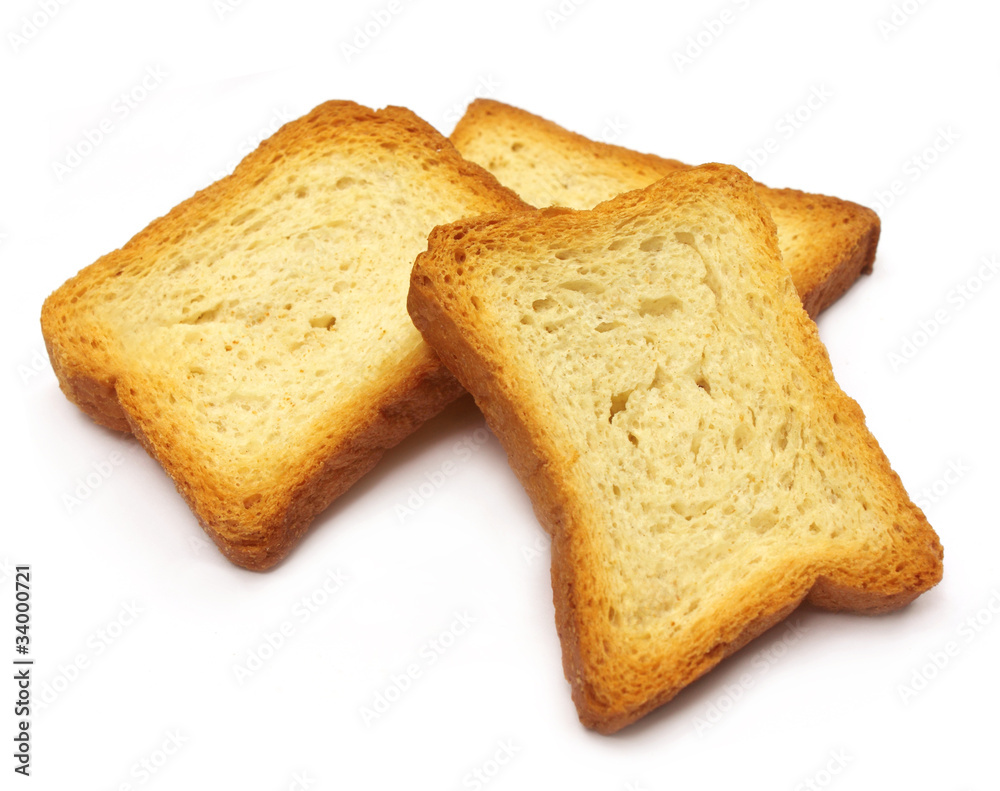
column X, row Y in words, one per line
column 826, row 243
column 255, row 339
column 672, row 413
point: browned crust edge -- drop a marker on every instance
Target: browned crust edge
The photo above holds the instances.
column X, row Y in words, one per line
column 537, row 465
column 421, row 392
column 90, row 374
column 480, row 111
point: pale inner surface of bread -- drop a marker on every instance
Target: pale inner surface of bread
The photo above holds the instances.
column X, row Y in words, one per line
column 550, row 166
column 545, row 173
column 259, row 322
column 656, row 359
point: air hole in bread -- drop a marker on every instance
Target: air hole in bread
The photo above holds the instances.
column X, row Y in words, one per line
column 660, row 306
column 763, row 521
column 583, row 286
column 653, row 244
column 242, row 218
column 204, row 316
column 323, row 322
column 619, row 403
column 780, row 441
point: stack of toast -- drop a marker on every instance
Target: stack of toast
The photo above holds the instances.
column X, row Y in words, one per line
column 636, row 331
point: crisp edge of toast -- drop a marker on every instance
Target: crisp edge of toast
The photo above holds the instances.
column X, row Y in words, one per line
column 819, row 284
column 539, row 465
column 90, row 374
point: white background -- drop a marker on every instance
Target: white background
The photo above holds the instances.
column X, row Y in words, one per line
column 604, row 69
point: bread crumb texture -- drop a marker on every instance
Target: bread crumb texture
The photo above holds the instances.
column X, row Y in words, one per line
column 825, row 242
column 258, row 332
column 670, row 408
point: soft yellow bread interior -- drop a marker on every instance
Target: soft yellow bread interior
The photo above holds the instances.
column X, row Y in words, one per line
column 825, row 242
column 656, row 354
column 671, row 411
column 261, row 319
column 263, row 323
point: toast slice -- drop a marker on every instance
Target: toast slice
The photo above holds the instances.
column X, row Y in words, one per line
column 255, row 339
column 826, row 243
column 672, row 413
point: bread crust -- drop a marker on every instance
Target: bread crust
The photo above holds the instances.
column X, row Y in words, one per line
column 834, row 242
column 95, row 375
column 610, row 695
